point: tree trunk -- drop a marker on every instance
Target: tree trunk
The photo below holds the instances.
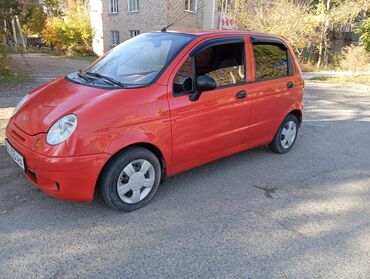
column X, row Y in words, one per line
column 14, row 34
column 324, row 33
column 20, row 32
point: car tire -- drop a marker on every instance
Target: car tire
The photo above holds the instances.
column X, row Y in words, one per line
column 285, row 136
column 130, row 179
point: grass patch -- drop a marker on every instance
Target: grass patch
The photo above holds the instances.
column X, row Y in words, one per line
column 14, row 78
column 8, row 73
column 306, row 67
column 89, row 58
column 344, row 79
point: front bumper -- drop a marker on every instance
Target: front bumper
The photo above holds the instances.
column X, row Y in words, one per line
column 67, row 178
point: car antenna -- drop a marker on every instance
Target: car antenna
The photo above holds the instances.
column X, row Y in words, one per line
column 164, row 29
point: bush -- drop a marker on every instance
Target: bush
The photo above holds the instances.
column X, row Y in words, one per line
column 355, row 59
column 71, row 33
column 364, row 30
column 5, row 66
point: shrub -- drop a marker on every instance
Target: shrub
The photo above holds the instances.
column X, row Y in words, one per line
column 364, row 30
column 5, row 66
column 355, row 59
column 72, row 32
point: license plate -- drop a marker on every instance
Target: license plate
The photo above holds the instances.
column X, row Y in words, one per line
column 18, row 158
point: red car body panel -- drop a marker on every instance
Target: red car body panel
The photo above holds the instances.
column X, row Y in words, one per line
column 187, row 134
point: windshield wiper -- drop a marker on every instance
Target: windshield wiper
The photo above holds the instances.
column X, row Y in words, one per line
column 80, row 74
column 111, row 80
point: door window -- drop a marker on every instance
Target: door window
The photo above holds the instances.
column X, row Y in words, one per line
column 271, row 60
column 225, row 63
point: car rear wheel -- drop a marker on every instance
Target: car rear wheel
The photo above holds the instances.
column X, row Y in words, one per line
column 130, row 179
column 285, row 136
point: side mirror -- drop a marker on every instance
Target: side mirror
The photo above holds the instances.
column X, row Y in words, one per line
column 203, row 83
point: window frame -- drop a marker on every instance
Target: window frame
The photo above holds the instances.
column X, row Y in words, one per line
column 211, row 43
column 111, row 37
column 223, row 6
column 130, row 32
column 137, row 7
column 272, row 41
column 188, row 9
column 111, row 9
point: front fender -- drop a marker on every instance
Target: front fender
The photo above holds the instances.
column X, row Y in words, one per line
column 120, row 119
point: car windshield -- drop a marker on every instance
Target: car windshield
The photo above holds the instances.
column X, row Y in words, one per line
column 139, row 61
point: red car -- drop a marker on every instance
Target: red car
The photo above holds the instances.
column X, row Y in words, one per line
column 156, row 105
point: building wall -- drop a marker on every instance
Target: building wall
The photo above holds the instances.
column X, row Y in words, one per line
column 210, row 16
column 96, row 17
column 176, row 10
column 153, row 15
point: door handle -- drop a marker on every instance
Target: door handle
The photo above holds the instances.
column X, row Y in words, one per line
column 290, row 84
column 241, row 94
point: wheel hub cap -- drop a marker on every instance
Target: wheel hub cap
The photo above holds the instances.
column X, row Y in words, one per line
column 288, row 134
column 136, row 181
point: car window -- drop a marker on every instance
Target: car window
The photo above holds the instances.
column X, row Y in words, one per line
column 225, row 63
column 138, row 61
column 183, row 80
column 271, row 60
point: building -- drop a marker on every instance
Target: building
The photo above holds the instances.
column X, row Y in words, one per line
column 115, row 21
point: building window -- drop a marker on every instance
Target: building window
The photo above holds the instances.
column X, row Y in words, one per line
column 133, row 5
column 114, row 38
column 133, row 33
column 113, row 6
column 225, row 6
column 191, row 5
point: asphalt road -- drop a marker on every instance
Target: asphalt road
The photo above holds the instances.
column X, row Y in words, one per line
column 305, row 214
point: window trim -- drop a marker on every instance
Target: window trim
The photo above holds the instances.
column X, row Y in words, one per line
column 225, row 5
column 196, row 7
column 111, row 33
column 210, row 43
column 272, row 41
column 136, row 31
column 137, row 6
column 111, row 7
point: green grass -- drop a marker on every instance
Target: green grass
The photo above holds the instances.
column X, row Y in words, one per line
column 76, row 56
column 13, row 78
column 7, row 72
column 344, row 79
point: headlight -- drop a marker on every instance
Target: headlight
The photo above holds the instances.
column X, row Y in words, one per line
column 21, row 103
column 61, row 129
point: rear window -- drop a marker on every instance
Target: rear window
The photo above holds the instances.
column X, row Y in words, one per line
column 271, row 60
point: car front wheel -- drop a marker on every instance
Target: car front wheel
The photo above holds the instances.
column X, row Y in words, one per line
column 130, row 179
column 285, row 136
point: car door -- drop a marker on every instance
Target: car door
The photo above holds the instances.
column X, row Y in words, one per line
column 218, row 120
column 273, row 90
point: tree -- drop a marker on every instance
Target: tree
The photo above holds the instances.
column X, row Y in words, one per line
column 8, row 8
column 334, row 15
column 297, row 25
column 72, row 32
column 36, row 20
column 355, row 59
column 364, row 30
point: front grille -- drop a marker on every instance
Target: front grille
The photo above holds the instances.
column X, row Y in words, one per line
column 18, row 136
column 31, row 175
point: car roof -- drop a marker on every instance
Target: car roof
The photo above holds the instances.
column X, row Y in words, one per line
column 201, row 32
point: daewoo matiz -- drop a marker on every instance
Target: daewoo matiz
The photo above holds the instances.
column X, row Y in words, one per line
column 156, row 105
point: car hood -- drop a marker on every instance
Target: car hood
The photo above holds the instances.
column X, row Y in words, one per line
column 50, row 102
